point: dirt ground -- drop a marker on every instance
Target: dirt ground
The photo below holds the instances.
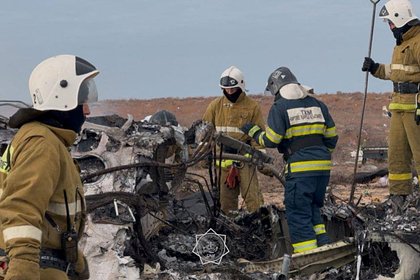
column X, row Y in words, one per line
column 345, row 108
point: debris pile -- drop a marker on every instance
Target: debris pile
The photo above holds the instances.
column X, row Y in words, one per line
column 142, row 222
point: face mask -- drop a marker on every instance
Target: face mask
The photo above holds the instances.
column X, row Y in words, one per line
column 72, row 119
column 234, row 96
column 399, row 32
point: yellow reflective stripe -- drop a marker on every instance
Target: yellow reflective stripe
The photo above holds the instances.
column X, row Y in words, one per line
column 302, row 130
column 304, row 246
column 248, row 155
column 273, row 136
column 387, row 71
column 330, row 132
column 310, row 165
column 60, row 208
column 22, row 232
column 228, row 129
column 261, row 139
column 319, row 229
column 224, row 163
column 397, row 106
column 406, row 68
column 253, row 130
column 400, row 177
column 4, row 164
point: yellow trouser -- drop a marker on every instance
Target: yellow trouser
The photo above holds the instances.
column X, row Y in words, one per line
column 404, row 146
column 248, row 187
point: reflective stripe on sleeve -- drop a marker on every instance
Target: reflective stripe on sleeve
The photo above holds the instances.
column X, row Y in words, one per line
column 22, row 232
column 319, row 229
column 225, row 163
column 405, row 68
column 253, row 130
column 304, row 246
column 60, row 208
column 273, row 136
column 261, row 139
column 330, row 132
column 228, row 129
column 387, row 71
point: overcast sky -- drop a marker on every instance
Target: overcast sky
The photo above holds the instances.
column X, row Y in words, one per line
column 178, row 48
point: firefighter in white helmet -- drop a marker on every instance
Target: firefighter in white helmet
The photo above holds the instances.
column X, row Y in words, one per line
column 404, row 72
column 42, row 203
column 228, row 114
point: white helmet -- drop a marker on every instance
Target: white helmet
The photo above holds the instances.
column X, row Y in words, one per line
column 400, row 12
column 62, row 82
column 232, row 78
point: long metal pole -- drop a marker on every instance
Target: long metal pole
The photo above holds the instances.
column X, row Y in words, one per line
column 372, row 27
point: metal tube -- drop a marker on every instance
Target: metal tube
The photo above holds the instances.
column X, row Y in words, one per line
column 285, row 266
column 353, row 187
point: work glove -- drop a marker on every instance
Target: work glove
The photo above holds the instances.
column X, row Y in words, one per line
column 250, row 129
column 190, row 133
column 370, row 65
column 265, row 170
column 232, row 179
column 22, row 269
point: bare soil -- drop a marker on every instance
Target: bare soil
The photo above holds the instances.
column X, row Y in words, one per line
column 345, row 108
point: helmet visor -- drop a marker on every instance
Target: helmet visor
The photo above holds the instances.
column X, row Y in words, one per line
column 87, row 92
column 228, row 82
column 267, row 90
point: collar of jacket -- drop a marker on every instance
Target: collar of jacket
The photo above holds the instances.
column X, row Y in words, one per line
column 67, row 136
column 412, row 32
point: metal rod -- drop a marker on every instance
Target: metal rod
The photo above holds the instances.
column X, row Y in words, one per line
column 353, row 186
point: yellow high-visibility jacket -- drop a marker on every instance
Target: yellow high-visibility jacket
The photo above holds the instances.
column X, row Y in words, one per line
column 228, row 117
column 35, row 170
column 404, row 67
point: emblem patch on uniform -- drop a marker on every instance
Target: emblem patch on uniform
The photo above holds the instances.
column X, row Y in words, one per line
column 305, row 115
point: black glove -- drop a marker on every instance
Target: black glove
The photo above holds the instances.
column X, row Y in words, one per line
column 250, row 129
column 190, row 133
column 370, row 65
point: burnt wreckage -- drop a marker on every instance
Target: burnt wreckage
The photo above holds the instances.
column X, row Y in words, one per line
column 146, row 209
